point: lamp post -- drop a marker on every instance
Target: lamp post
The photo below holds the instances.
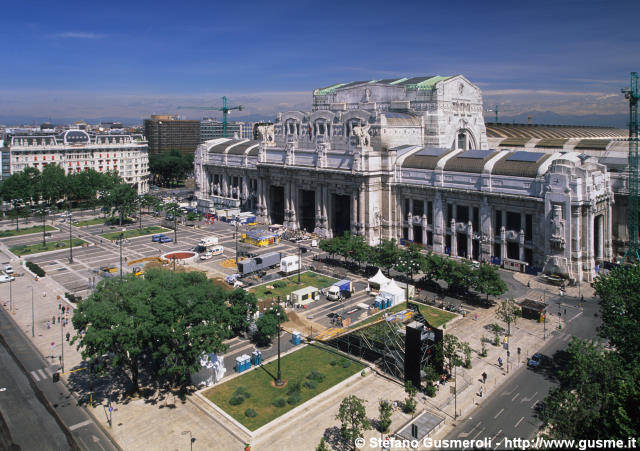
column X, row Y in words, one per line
column 235, row 236
column 70, row 238
column 279, row 378
column 33, row 332
column 191, row 440
column 61, row 347
column 455, row 391
column 10, row 293
column 299, row 261
column 121, row 238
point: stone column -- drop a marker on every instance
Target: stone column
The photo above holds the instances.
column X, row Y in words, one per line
column 438, row 226
column 225, row 187
column 454, row 238
column 361, row 212
column 590, row 251
column 503, row 241
column 521, row 245
column 410, row 226
column 287, row 204
column 318, row 225
column 577, row 244
column 424, row 229
column 354, row 212
column 293, row 192
column 470, row 240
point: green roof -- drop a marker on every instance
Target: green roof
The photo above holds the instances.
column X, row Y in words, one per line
column 328, row 90
column 430, row 83
column 412, row 83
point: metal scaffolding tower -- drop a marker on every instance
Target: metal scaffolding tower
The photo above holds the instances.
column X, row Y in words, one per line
column 631, row 94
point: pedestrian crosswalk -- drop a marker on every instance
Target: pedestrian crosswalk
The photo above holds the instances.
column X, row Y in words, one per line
column 42, row 374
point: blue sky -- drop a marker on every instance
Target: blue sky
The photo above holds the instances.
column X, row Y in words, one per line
column 93, row 59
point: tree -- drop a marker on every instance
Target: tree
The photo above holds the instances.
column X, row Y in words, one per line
column 386, row 254
column 432, row 266
column 430, row 375
column 460, row 276
column 410, row 261
column 174, row 210
column 16, row 189
column 410, row 403
column 53, row 183
column 353, row 418
column 122, row 199
column 488, row 281
column 242, row 306
column 267, row 326
column 385, row 409
column 322, row 446
column 451, row 347
column 330, row 246
column 507, row 311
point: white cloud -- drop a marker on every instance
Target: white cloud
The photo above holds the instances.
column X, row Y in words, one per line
column 79, row 35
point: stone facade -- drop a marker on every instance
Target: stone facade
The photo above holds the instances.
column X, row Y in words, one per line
column 408, row 159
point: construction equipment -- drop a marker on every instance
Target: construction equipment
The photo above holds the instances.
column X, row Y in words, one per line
column 494, row 110
column 225, row 108
column 631, row 94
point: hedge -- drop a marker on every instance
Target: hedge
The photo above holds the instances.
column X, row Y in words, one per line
column 38, row 271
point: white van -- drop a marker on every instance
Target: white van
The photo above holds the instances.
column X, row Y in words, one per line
column 208, row 241
column 215, row 250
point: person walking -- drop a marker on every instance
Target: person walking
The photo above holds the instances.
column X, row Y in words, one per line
column 500, row 361
column 68, row 336
column 484, row 377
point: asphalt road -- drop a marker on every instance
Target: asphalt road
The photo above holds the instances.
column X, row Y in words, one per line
column 511, row 411
column 20, row 410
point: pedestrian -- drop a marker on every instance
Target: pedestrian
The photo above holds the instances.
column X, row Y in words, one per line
column 565, row 312
column 59, row 306
column 475, row 317
column 58, row 318
column 53, row 320
column 528, row 284
column 63, row 308
column 481, row 392
column 48, row 324
column 484, row 377
column 500, row 361
column 68, row 336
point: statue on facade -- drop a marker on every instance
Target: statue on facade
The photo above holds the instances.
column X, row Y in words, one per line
column 267, row 133
column 557, row 227
column 362, row 132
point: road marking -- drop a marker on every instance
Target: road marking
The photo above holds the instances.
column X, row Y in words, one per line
column 497, row 433
column 529, row 399
column 79, row 425
column 35, row 376
column 515, row 396
column 519, row 421
column 479, row 432
column 575, row 316
column 465, row 434
column 507, row 393
column 498, row 414
column 534, row 404
column 42, row 373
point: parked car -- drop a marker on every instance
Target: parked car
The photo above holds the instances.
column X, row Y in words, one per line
column 536, row 360
column 6, row 278
column 8, row 269
column 206, row 255
column 166, row 239
column 156, row 238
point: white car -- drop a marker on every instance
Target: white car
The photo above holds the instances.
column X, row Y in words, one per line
column 206, row 256
column 6, row 278
column 8, row 269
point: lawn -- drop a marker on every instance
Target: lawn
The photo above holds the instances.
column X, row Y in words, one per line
column 372, row 318
column 132, row 233
column 435, row 316
column 283, row 287
column 89, row 222
column 295, row 367
column 26, row 231
column 51, row 246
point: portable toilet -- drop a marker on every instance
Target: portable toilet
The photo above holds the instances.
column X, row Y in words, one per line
column 295, row 337
column 247, row 361
column 239, row 364
column 258, row 357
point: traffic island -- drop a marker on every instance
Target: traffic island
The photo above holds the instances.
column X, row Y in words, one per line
column 284, row 287
column 27, row 231
column 27, row 249
column 134, row 233
column 253, row 401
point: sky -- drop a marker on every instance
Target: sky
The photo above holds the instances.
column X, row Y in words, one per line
column 132, row 59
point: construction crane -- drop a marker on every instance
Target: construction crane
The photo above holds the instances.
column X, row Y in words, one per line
column 631, row 94
column 496, row 109
column 225, row 108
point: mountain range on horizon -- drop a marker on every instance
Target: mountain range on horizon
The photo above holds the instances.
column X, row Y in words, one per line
column 534, row 117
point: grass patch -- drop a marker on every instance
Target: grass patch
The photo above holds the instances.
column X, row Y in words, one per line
column 269, row 402
column 132, row 233
column 434, row 316
column 89, row 222
column 284, row 287
column 26, row 231
column 24, row 249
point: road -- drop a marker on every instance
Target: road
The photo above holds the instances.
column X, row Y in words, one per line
column 510, row 412
column 17, row 401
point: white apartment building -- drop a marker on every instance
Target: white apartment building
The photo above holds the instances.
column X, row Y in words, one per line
column 77, row 150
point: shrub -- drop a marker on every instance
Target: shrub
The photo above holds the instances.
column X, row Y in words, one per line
column 294, row 398
column 345, row 363
column 431, row 390
column 72, row 297
column 294, row 387
column 315, row 375
column 279, row 284
column 250, row 413
column 333, row 363
column 38, row 271
column 311, row 384
column 236, row 400
column 278, row 402
column 239, row 396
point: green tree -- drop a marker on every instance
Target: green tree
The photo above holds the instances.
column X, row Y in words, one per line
column 432, row 266
column 353, row 419
column 384, row 420
column 488, row 281
column 242, row 306
column 386, row 254
column 16, row 190
column 410, row 261
column 331, row 246
column 322, row 446
column 507, row 311
column 53, row 183
column 451, row 347
column 410, row 402
column 174, row 210
column 121, row 199
column 267, row 326
column 460, row 276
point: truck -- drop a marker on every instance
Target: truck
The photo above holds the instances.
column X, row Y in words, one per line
column 208, row 241
column 340, row 289
column 259, row 263
column 289, row 264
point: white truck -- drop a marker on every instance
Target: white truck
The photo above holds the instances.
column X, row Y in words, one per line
column 289, row 264
column 208, row 241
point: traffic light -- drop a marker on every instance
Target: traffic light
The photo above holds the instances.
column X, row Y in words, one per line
column 56, row 377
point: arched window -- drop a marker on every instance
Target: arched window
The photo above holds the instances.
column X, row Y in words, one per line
column 462, row 141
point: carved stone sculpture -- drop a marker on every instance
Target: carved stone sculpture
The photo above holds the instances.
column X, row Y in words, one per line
column 267, row 134
column 362, row 132
column 557, row 228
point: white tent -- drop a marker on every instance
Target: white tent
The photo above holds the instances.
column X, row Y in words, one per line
column 378, row 281
column 393, row 292
column 211, row 370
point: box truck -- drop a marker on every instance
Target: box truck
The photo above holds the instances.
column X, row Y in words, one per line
column 289, row 264
column 340, row 289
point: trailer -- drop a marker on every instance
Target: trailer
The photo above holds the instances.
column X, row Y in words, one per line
column 208, row 241
column 259, row 263
column 304, row 296
column 289, row 264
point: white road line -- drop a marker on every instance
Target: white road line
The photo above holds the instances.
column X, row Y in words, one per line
column 534, row 404
column 35, row 376
column 575, row 316
column 519, row 421
column 498, row 414
column 515, row 396
column 479, row 432
column 529, row 399
column 497, row 434
column 79, row 425
column 507, row 393
column 465, row 434
column 43, row 374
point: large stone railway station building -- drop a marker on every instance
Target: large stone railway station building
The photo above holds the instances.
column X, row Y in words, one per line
column 413, row 159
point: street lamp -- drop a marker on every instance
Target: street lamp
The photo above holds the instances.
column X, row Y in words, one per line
column 279, row 378
column 235, row 237
column 299, row 261
column 10, row 293
column 121, row 238
column 70, row 238
column 191, row 439
column 61, row 346
column 33, row 332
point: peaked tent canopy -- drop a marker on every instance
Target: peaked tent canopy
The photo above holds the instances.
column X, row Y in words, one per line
column 379, row 280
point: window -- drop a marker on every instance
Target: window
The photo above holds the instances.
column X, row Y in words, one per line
column 430, row 213
column 449, row 214
column 462, row 214
column 476, row 218
column 528, row 228
column 498, row 222
column 514, row 221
